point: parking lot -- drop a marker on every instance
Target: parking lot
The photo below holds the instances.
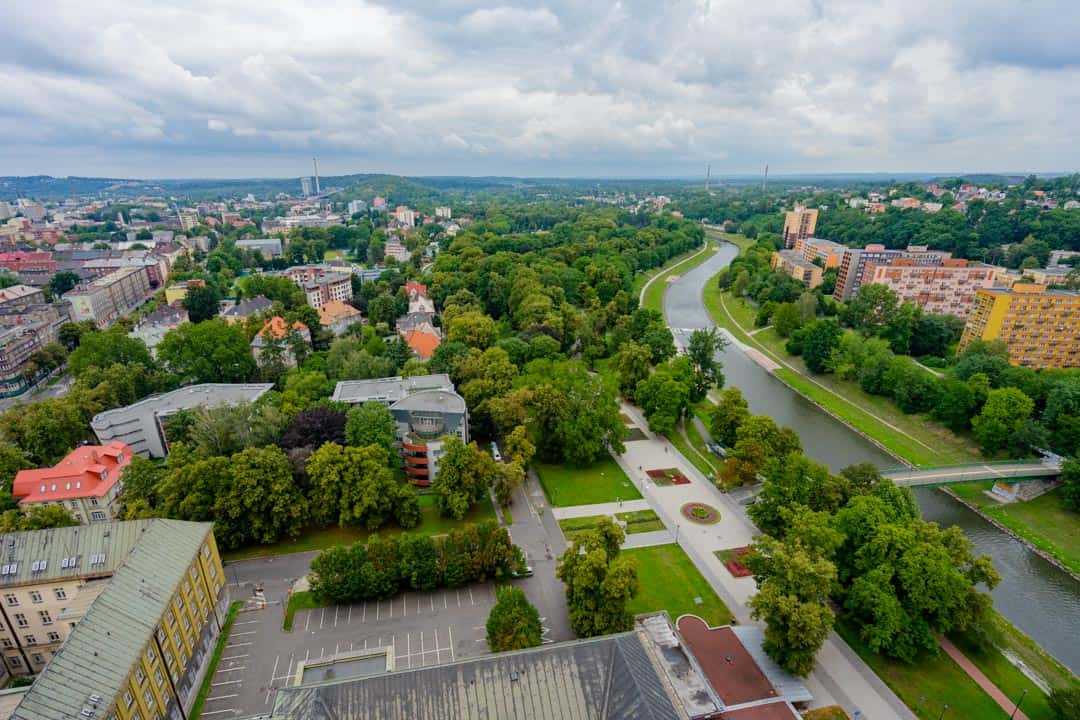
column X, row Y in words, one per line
column 422, row 628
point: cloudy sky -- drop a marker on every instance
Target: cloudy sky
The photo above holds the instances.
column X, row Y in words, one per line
column 228, row 88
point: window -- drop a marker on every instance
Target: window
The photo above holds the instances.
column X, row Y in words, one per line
column 187, row 623
column 148, row 697
column 140, row 676
column 180, row 601
column 169, row 659
column 206, row 550
column 170, row 617
column 151, row 656
column 46, row 619
column 35, row 596
column 74, row 504
column 10, row 599
column 38, row 658
column 97, row 516
column 193, row 573
column 30, row 639
column 6, row 642
column 20, row 620
column 177, row 640
column 93, row 501
column 54, row 637
column 15, row 661
column 60, row 593
column 159, row 678
column 128, row 698
column 187, row 587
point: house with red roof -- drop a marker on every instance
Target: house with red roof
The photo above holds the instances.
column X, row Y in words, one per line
column 280, row 341
column 86, row 483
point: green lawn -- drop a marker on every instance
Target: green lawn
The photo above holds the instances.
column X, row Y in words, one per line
column 223, row 638
column 1008, row 679
column 431, row 523
column 669, row 581
column 304, row 600
column 641, row 278
column 603, row 481
column 734, row 238
column 923, row 442
column 638, row 521
column 654, row 295
column 1044, row 521
column 928, row 684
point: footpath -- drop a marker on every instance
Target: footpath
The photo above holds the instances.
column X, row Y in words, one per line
column 1007, row 704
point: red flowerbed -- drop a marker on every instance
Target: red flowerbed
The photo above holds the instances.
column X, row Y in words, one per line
column 737, row 569
column 680, row 480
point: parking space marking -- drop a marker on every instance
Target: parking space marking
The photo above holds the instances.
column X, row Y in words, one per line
column 238, row 645
column 246, row 632
column 471, row 600
column 432, row 599
column 246, row 622
column 226, row 682
column 445, row 595
column 451, row 631
column 234, row 657
column 335, row 615
column 218, row 712
column 405, row 604
column 221, row 697
column 322, row 617
column 458, row 593
column 349, row 618
column 307, row 620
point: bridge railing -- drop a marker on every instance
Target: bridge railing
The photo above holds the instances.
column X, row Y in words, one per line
column 1032, row 462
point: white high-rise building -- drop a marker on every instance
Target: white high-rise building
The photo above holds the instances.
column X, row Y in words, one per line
column 307, row 186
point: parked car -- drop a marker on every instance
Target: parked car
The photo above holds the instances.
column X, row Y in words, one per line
column 495, row 452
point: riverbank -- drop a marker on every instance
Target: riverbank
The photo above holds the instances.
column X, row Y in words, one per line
column 651, row 292
column 1043, row 525
column 914, row 439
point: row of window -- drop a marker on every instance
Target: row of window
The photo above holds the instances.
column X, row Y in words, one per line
column 12, row 600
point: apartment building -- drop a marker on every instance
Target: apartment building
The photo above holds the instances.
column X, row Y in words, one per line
column 19, row 297
column 17, row 345
column 945, row 289
column 22, row 261
column 425, row 407
column 152, row 329
column 853, row 264
column 269, row 248
column 86, row 483
column 1041, row 327
column 321, row 284
column 792, row 263
column 799, row 224
column 137, row 605
column 828, row 252
column 443, row 213
column 405, row 215
column 189, row 218
column 109, row 298
column 337, row 317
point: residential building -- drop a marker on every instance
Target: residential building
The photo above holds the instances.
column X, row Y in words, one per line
column 425, row 408
column 395, row 249
column 140, row 648
column 86, row 482
column 17, row 345
column 142, row 425
column 853, row 264
column 792, row 263
column 151, row 329
column 799, row 224
column 19, row 297
column 423, row 340
column 337, row 316
column 379, row 203
column 321, row 284
column 230, row 218
column 1041, row 327
column 357, row 206
column 248, row 307
column 109, row 298
column 269, row 248
column 945, row 289
column 1061, row 257
column 307, row 186
column 405, row 215
column 419, row 302
column 443, row 213
column 176, row 293
column 906, row 203
column 931, row 207
column 278, row 341
column 189, row 218
column 1055, row 275
column 23, row 261
column 828, row 252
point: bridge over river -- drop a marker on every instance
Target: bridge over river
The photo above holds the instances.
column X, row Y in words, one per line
column 1012, row 471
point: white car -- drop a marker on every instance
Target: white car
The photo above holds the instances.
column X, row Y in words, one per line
column 495, row 452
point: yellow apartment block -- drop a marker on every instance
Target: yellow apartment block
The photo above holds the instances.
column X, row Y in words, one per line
column 791, row 263
column 137, row 608
column 1041, row 327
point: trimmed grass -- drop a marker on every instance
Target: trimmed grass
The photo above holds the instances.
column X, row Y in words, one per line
column 669, row 581
column 311, row 539
column 603, row 481
column 1008, row 679
column 925, row 442
column 219, row 648
column 654, row 295
column 641, row 278
column 832, row 712
column 1044, row 521
column 638, row 521
column 927, row 685
column 299, row 601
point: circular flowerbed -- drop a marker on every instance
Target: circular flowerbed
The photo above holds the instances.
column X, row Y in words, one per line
column 700, row 513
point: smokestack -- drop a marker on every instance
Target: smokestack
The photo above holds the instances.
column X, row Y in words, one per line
column 708, row 172
column 765, row 179
column 315, row 163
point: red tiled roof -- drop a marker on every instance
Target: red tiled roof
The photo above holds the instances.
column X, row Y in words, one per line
column 413, row 286
column 275, row 328
column 422, row 343
column 88, row 471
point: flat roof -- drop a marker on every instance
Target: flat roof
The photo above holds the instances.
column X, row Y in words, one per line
column 184, row 398
column 389, row 389
column 727, row 664
column 779, row 710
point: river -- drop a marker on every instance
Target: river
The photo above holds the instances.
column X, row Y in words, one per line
column 1034, row 595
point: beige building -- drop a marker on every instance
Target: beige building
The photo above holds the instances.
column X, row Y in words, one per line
column 828, row 252
column 791, row 263
column 799, row 224
column 129, row 613
column 110, row 297
column 945, row 289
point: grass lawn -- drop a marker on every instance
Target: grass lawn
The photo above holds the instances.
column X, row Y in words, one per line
column 832, row 712
column 669, row 581
column 683, row 445
column 298, row 601
column 223, row 638
column 1008, row 678
column 431, row 523
column 636, row 522
column 641, row 278
column 331, row 254
column 603, row 481
column 1044, row 521
column 654, row 295
column 742, row 241
column 928, row 684
column 924, row 442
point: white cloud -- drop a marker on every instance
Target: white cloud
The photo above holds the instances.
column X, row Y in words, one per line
column 471, row 87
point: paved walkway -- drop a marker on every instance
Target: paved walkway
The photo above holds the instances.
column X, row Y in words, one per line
column 840, row 677
column 1007, row 704
column 648, row 539
column 609, row 508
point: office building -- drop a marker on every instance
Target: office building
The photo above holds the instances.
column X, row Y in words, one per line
column 141, row 605
column 853, row 264
column 792, row 263
column 827, row 252
column 141, row 425
column 945, row 289
column 1041, row 327
column 110, row 297
column 425, row 408
column 86, row 483
column 799, row 224
column 269, row 248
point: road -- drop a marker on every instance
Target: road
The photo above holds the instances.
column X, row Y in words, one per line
column 57, row 389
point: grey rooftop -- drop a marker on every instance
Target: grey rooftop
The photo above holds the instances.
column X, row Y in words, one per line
column 390, row 389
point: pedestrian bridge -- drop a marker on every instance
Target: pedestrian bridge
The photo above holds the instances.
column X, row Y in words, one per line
column 943, row 475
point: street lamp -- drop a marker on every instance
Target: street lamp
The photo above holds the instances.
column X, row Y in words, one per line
column 946, row 707
column 1020, row 700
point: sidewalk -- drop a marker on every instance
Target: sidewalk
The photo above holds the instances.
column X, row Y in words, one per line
column 1007, row 704
column 609, row 508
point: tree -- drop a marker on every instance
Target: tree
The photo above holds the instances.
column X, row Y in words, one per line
column 62, row 282
column 70, row 333
column 1064, row 702
column 955, row 404
column 795, row 480
column 808, row 305
column 202, row 302
column 104, row 349
column 314, row 428
column 933, row 334
column 45, row 430
column 508, row 477
column 1070, row 489
column 901, row 327
column 261, row 502
column 872, row 309
column 38, row 517
column 660, row 341
column 759, row 439
column 472, row 329
column 599, row 581
column 817, row 342
column 665, row 395
column 727, row 415
column 228, row 429
column 141, row 479
column 786, row 319
column 702, row 350
column 465, row 472
column 517, row 447
column 1001, row 419
column 513, row 623
column 355, row 486
column 209, row 352
column 633, row 363
column 371, row 423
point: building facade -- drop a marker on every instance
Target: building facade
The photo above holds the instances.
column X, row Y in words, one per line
column 269, row 248
column 792, row 263
column 828, row 252
column 1040, row 327
column 853, row 264
column 109, row 298
column 140, row 648
column 321, row 284
column 945, row 289
column 278, row 341
column 86, row 483
column 799, row 224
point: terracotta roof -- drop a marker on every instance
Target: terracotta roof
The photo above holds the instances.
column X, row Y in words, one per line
column 275, row 328
column 88, row 471
column 335, row 311
column 422, row 343
column 415, row 287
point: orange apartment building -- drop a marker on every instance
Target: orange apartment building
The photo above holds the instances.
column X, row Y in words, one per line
column 945, row 289
column 799, row 224
column 1041, row 327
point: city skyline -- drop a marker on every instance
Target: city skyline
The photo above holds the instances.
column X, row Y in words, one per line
column 561, row 90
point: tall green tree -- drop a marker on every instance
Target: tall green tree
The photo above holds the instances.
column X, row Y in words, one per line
column 465, row 473
column 209, row 352
column 633, row 363
column 202, row 302
column 355, row 486
column 371, row 423
column 703, row 348
column 727, row 415
column 1002, row 418
column 104, row 349
column 513, row 623
column 599, row 581
column 872, row 309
